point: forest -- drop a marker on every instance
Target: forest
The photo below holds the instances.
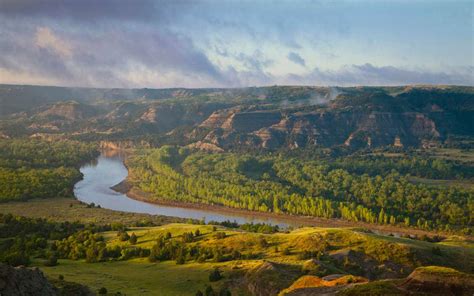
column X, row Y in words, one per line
column 41, row 169
column 282, row 184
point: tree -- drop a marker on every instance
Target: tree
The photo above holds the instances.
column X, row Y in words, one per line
column 102, row 291
column 133, row 238
column 123, row 236
column 215, row 275
column 209, row 291
column 52, row 260
column 224, row 292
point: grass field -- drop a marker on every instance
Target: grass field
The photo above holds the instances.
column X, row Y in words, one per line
column 137, row 276
column 140, row 277
column 453, row 154
column 69, row 209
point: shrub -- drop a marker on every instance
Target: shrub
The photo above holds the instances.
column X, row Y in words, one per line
column 17, row 259
column 180, row 260
column 436, row 251
column 209, row 291
column 123, row 236
column 51, row 261
column 102, row 291
column 133, row 238
column 220, row 235
column 215, row 275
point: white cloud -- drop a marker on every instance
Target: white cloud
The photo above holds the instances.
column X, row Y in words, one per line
column 45, row 38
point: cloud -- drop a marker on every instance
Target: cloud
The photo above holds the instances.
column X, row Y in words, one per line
column 84, row 10
column 45, row 38
column 105, row 58
column 161, row 43
column 254, row 62
column 368, row 74
column 296, row 58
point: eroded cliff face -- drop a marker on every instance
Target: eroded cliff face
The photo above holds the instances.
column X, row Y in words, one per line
column 122, row 145
column 324, row 127
column 268, row 118
column 69, row 111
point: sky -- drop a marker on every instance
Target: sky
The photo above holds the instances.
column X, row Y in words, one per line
column 230, row 43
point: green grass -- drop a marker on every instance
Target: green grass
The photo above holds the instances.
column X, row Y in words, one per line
column 136, row 276
column 456, row 251
column 139, row 276
column 378, row 288
column 69, row 209
column 453, row 154
column 147, row 236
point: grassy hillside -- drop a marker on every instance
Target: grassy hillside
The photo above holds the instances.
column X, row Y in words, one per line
column 289, row 254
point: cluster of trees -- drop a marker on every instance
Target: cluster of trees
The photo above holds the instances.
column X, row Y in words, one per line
column 21, row 238
column 425, row 167
column 250, row 227
column 182, row 251
column 40, row 169
column 23, row 184
column 33, row 153
column 270, row 183
column 90, row 245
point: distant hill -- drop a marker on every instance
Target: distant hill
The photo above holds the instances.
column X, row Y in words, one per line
column 265, row 117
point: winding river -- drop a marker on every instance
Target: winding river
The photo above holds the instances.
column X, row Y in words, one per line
column 108, row 170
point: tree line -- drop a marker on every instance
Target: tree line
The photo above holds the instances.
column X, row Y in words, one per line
column 41, row 169
column 275, row 183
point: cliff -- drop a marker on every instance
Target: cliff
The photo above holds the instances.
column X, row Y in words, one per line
column 22, row 281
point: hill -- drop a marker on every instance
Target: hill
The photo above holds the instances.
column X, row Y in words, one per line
column 265, row 117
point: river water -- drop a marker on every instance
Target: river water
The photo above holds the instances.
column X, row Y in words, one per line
column 108, row 170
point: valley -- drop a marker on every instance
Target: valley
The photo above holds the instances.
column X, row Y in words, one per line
column 252, row 191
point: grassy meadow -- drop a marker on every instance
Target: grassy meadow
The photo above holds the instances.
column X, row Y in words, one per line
column 139, row 276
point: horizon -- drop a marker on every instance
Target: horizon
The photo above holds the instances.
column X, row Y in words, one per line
column 235, row 44
column 242, row 87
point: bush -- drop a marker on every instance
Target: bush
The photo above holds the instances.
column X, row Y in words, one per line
column 51, row 261
column 102, row 291
column 215, row 275
column 123, row 236
column 133, row 238
column 180, row 260
column 436, row 251
column 224, row 292
column 220, row 235
column 17, row 259
column 209, row 291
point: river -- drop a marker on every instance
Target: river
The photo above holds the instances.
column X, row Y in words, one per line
column 108, row 170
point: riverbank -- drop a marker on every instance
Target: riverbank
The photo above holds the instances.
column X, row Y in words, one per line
column 125, row 187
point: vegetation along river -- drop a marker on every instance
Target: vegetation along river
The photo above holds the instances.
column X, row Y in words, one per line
column 109, row 170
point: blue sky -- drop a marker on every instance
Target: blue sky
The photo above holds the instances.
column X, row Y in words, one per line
column 224, row 43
